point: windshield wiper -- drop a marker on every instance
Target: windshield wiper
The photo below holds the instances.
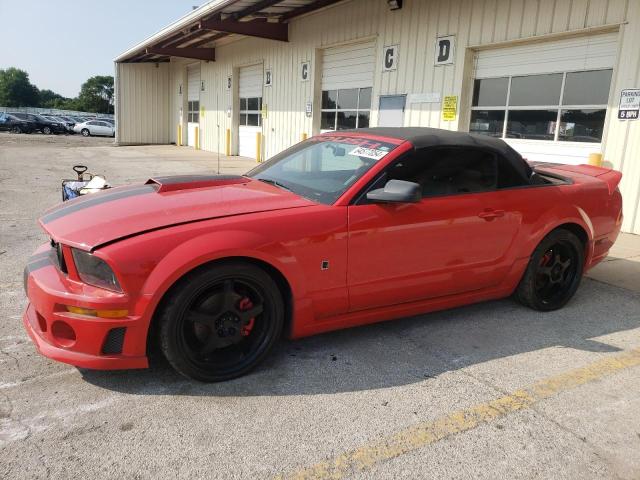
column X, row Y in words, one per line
column 273, row 182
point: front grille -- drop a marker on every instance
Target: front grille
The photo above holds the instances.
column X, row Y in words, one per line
column 114, row 341
column 58, row 256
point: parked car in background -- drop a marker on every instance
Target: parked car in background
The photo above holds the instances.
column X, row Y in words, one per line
column 67, row 128
column 11, row 123
column 41, row 124
column 95, row 127
column 67, row 124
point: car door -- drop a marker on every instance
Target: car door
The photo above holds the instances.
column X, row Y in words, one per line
column 94, row 127
column 457, row 239
column 101, row 128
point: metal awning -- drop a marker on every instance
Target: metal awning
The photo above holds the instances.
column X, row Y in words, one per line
column 195, row 35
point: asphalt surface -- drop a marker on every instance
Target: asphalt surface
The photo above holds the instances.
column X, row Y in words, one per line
column 486, row 391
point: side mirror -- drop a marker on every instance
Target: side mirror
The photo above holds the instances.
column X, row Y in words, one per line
column 396, row 191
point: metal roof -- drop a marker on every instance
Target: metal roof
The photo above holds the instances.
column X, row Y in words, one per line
column 217, row 19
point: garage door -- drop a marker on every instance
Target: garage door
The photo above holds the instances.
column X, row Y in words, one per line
column 547, row 100
column 347, row 78
column 193, row 103
column 250, row 93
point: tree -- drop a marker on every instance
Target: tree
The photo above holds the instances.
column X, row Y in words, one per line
column 96, row 94
column 49, row 98
column 16, row 90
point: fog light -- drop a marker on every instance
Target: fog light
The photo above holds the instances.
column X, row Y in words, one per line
column 121, row 313
column 63, row 333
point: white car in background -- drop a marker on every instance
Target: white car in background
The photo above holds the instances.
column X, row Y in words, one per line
column 95, row 127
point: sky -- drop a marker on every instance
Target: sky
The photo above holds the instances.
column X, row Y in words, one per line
column 60, row 44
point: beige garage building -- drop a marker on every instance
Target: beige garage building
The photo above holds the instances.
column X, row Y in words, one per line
column 557, row 79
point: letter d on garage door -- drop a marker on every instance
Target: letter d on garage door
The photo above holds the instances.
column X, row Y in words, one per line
column 445, row 50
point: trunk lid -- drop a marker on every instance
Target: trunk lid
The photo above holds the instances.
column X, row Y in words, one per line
column 608, row 175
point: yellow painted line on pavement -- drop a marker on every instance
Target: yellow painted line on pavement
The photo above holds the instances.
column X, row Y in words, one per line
column 427, row 433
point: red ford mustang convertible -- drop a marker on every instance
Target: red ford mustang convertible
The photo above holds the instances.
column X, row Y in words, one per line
column 340, row 230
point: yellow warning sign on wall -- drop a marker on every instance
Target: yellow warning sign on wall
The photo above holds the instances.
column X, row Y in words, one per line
column 449, row 108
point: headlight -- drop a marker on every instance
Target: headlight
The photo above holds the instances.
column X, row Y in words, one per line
column 95, row 271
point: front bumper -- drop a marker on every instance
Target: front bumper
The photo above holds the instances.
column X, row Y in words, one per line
column 81, row 340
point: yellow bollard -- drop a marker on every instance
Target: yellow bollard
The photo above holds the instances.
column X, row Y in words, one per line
column 258, row 146
column 304, row 136
column 179, row 136
column 197, row 135
column 595, row 159
column 227, row 150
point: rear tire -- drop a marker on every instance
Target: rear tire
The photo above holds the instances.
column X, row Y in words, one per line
column 554, row 272
column 46, row 131
column 16, row 130
column 220, row 322
column 85, row 132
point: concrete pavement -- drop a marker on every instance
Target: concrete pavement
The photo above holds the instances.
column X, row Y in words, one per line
column 490, row 391
column 622, row 267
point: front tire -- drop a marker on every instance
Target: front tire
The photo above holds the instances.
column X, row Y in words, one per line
column 220, row 322
column 46, row 131
column 16, row 130
column 85, row 132
column 554, row 272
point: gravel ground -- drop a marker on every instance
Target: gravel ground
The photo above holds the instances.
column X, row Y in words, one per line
column 317, row 398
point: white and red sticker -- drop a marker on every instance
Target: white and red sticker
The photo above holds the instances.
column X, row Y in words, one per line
column 359, row 141
column 368, row 153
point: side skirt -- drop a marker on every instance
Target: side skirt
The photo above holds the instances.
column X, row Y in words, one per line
column 392, row 312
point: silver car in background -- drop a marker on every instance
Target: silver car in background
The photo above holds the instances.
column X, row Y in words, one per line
column 95, row 127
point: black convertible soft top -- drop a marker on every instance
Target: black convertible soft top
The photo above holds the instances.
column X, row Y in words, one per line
column 422, row 137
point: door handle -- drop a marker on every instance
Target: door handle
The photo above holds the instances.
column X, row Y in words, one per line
column 490, row 214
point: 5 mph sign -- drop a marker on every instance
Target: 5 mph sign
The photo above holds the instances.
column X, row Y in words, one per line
column 629, row 104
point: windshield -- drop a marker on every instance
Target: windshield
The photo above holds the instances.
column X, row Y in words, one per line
column 322, row 168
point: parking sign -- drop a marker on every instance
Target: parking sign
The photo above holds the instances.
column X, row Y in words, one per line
column 629, row 104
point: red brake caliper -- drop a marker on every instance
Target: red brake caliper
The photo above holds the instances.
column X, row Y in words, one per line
column 244, row 305
column 545, row 259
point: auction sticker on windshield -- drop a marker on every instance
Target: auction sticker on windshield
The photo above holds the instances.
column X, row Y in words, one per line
column 368, row 153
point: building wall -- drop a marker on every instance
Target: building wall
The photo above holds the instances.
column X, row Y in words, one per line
column 477, row 24
column 142, row 103
column 622, row 138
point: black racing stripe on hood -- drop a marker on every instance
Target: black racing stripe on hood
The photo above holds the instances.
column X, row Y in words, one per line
column 92, row 201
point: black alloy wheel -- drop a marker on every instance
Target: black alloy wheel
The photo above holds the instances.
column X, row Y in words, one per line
column 220, row 322
column 554, row 272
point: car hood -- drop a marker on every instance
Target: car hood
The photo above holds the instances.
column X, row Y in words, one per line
column 92, row 220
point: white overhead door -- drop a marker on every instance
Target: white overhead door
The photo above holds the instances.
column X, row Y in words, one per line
column 548, row 100
column 578, row 53
column 347, row 78
column 193, row 103
column 250, row 93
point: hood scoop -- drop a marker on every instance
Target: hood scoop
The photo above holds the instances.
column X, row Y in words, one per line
column 186, row 182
